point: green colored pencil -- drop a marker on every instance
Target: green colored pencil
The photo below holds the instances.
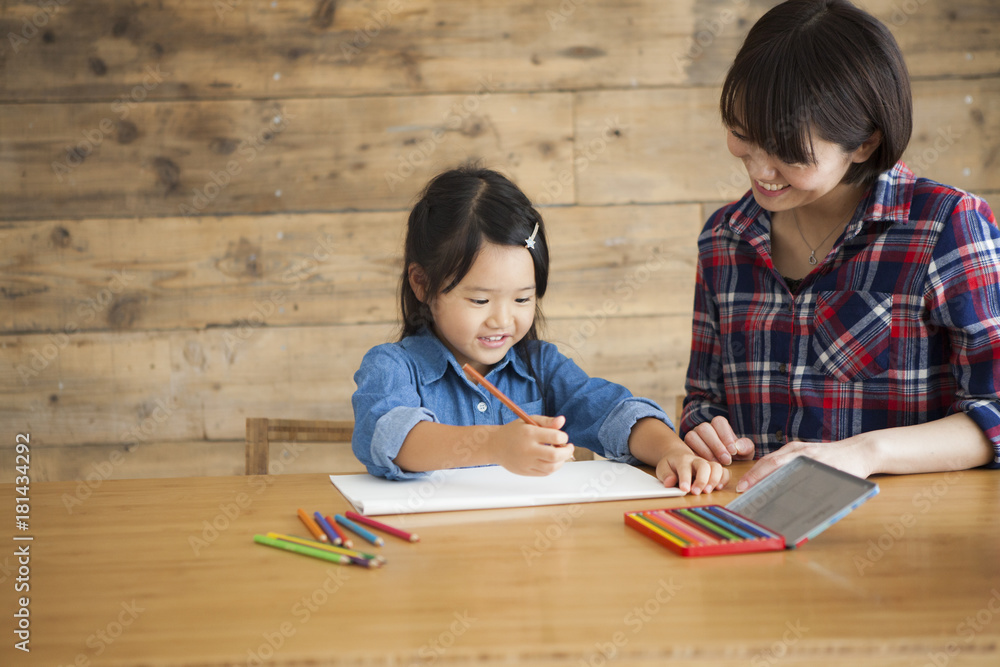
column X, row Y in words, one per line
column 302, row 549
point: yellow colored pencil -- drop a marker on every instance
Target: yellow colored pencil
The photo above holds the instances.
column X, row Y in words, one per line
column 328, row 547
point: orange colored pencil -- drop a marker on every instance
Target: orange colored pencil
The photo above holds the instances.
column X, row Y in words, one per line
column 312, row 526
column 378, row 525
column 499, row 394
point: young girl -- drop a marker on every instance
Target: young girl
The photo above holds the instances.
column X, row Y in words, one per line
column 475, row 267
column 844, row 309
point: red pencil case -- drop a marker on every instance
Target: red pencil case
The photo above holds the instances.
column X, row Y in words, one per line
column 707, row 530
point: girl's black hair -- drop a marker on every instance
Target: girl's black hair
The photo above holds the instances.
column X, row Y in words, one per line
column 458, row 212
column 821, row 66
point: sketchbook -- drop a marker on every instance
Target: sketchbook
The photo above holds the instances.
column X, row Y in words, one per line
column 490, row 487
column 790, row 506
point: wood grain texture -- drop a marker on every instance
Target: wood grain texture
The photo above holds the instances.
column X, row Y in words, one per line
column 211, row 158
column 112, row 49
column 202, row 203
column 183, row 385
column 956, row 140
column 907, row 577
column 134, row 274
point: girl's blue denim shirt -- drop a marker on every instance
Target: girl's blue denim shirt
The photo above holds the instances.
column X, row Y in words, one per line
column 419, row 379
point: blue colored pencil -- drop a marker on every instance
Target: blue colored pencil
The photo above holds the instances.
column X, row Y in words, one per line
column 355, row 528
column 725, row 523
column 732, row 516
column 328, row 529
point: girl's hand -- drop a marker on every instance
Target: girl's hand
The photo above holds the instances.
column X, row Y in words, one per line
column 716, row 441
column 530, row 450
column 691, row 473
column 847, row 455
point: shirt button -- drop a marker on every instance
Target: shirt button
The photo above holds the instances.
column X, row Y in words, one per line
column 780, row 435
column 782, row 368
column 481, row 407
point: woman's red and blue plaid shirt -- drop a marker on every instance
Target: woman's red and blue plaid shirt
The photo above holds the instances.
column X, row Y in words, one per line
column 899, row 325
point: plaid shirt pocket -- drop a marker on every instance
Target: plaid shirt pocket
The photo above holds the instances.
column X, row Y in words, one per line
column 853, row 331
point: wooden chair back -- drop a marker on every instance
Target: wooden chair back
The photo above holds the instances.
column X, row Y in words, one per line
column 261, row 432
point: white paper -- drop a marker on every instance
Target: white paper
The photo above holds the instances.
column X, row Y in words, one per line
column 491, row 487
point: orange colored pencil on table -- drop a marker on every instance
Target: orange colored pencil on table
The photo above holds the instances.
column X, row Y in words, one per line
column 312, row 526
column 378, row 525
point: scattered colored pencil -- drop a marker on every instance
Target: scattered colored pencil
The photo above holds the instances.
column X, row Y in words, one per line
column 355, row 528
column 378, row 525
column 312, row 526
column 302, row 549
column 345, row 540
column 328, row 529
column 377, row 559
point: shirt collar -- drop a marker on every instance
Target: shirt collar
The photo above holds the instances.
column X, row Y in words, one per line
column 433, row 358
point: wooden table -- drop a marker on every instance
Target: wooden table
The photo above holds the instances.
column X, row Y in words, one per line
column 165, row 572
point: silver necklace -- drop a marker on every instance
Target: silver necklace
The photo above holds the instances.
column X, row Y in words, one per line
column 812, row 250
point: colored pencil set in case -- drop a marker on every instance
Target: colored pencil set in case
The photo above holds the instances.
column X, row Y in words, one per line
column 704, row 531
column 788, row 508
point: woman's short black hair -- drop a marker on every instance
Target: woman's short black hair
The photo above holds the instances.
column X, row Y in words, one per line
column 458, row 212
column 823, row 68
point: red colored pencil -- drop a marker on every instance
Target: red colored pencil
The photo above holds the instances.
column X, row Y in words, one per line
column 378, row 525
column 344, row 539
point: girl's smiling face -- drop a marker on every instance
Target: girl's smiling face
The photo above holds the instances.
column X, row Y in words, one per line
column 781, row 186
column 491, row 308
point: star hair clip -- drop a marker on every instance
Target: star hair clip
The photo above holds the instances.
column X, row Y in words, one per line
column 529, row 242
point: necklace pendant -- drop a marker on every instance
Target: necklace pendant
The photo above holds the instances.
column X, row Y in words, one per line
column 812, row 258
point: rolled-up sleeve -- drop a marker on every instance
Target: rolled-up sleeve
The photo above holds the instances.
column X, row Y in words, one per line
column 965, row 299
column 617, row 427
column 599, row 414
column 386, row 407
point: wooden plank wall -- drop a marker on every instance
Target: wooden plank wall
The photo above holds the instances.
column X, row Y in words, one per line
column 202, row 200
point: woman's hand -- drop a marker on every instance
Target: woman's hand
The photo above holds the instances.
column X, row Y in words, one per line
column 850, row 455
column 530, row 450
column 716, row 441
